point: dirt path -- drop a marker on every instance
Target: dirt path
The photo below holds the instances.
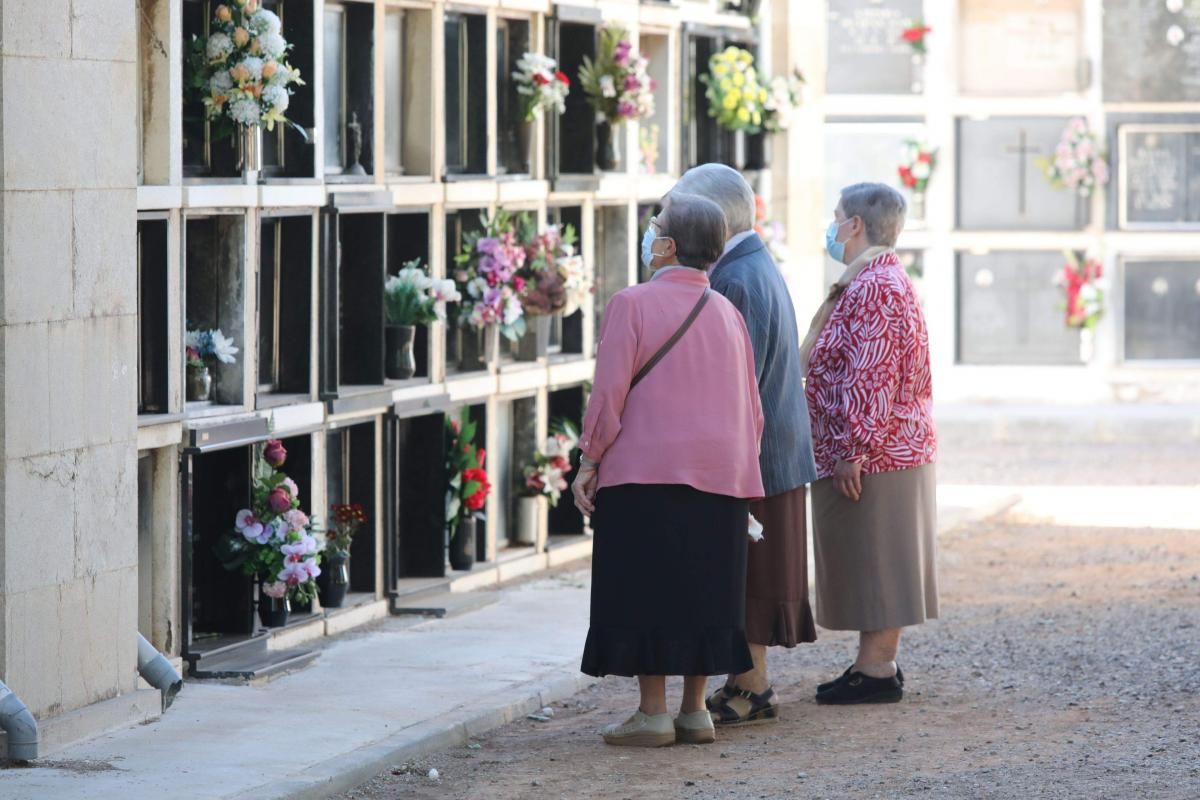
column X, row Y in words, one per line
column 1067, row 665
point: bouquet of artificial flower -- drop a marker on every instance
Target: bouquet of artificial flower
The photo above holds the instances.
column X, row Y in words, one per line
column 547, row 474
column 541, row 84
column 347, row 519
column 468, row 485
column 1082, row 281
column 487, row 276
column 273, row 540
column 783, row 98
column 616, row 83
column 240, row 69
column 411, row 297
column 736, row 99
column 1079, row 160
column 553, row 272
column 916, row 165
column 206, row 347
column 915, row 35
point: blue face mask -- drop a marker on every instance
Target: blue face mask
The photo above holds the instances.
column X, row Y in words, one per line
column 648, row 240
column 836, row 249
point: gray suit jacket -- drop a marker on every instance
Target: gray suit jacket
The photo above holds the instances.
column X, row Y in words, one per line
column 749, row 278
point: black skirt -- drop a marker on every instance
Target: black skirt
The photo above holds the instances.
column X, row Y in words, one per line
column 668, row 583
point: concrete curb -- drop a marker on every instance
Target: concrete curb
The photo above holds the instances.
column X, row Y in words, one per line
column 346, row 771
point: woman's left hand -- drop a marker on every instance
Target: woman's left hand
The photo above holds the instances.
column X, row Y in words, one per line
column 584, row 488
column 847, row 478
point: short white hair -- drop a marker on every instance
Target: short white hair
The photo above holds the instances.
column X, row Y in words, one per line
column 727, row 188
column 881, row 208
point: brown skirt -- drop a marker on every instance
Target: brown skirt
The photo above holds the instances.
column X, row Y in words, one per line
column 778, row 613
column 876, row 558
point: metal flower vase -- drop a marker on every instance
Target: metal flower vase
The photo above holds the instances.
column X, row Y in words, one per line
column 480, row 348
column 250, row 147
column 535, row 343
column 462, row 544
column 401, row 363
column 334, row 580
column 272, row 611
column 199, row 384
column 607, row 156
column 529, row 517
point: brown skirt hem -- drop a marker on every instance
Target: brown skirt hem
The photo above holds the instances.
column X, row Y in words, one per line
column 788, row 625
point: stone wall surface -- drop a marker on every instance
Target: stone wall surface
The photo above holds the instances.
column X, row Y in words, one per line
column 68, row 344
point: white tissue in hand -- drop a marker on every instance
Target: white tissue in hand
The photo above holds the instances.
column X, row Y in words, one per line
column 756, row 529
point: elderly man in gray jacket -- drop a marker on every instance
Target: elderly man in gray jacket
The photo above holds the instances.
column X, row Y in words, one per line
column 778, row 613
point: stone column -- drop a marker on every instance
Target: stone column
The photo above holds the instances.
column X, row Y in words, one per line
column 68, row 339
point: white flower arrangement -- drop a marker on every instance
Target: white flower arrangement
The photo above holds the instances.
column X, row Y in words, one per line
column 240, row 70
column 541, row 84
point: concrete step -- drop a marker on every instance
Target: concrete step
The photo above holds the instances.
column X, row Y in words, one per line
column 440, row 603
column 253, row 665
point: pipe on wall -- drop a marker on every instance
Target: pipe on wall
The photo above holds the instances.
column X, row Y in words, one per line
column 19, row 724
column 158, row 672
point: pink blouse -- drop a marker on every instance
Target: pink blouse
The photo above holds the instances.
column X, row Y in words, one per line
column 695, row 419
column 869, row 387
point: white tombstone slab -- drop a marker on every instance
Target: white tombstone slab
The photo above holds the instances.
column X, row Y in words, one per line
column 1020, row 47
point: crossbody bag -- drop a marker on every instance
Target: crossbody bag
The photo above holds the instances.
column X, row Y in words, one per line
column 670, row 343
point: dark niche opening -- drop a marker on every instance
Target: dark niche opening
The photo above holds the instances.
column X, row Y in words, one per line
column 567, row 404
column 153, row 302
column 513, row 133
column 348, row 127
column 360, row 299
column 214, row 281
column 574, row 140
column 416, row 491
column 285, row 305
column 350, row 478
column 466, row 81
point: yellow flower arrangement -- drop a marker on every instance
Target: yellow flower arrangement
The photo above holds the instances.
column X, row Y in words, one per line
column 735, row 96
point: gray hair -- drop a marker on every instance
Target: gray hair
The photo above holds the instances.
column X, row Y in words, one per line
column 727, row 188
column 697, row 225
column 880, row 207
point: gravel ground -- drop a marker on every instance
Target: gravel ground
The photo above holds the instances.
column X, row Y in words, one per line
column 1065, row 666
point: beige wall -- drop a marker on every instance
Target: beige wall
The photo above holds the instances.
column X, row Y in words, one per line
column 68, row 478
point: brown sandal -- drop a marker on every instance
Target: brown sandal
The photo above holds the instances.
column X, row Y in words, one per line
column 761, row 709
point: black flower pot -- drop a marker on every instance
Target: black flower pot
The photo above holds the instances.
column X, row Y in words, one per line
column 334, row 580
column 401, row 363
column 462, row 545
column 535, row 343
column 272, row 612
column 606, row 146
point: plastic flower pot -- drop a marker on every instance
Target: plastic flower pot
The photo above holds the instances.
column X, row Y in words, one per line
column 199, row 384
column 334, row 580
column 462, row 545
column 529, row 512
column 480, row 348
column 272, row 611
column 401, row 363
column 535, row 343
column 606, row 146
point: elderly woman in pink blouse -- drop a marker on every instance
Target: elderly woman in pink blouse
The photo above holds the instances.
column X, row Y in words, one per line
column 670, row 462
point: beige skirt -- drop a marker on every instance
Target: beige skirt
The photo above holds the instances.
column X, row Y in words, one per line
column 876, row 559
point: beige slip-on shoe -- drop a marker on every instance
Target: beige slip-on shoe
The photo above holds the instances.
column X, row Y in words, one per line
column 642, row 730
column 695, row 727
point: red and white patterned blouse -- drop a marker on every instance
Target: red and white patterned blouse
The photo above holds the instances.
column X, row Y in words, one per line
column 869, row 390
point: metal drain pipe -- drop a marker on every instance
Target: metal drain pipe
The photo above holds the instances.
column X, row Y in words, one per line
column 158, row 672
column 19, row 724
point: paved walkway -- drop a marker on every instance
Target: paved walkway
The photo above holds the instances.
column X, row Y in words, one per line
column 373, row 699
column 370, row 700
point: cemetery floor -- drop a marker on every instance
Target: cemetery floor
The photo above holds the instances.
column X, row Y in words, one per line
column 1065, row 665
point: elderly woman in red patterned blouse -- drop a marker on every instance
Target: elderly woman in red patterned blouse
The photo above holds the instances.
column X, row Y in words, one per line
column 869, row 394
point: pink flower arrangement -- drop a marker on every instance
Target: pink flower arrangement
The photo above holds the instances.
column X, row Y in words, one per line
column 547, row 475
column 272, row 540
column 617, row 83
column 1079, row 161
column 555, row 281
column 487, row 276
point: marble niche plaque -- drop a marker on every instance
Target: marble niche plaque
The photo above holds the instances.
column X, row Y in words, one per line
column 1151, row 51
column 865, row 151
column 1008, row 310
column 1162, row 309
column 1158, row 174
column 1021, row 47
column 866, row 54
column 1000, row 183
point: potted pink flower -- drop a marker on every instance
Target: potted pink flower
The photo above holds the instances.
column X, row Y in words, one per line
column 618, row 87
column 545, row 479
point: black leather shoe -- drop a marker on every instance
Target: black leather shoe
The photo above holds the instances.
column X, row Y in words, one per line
column 825, row 687
column 857, row 688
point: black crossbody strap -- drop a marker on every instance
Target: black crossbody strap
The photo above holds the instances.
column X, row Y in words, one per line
column 675, row 337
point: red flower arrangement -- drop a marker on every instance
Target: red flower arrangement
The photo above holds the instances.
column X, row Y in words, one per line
column 1081, row 280
column 347, row 519
column 467, row 481
column 915, row 35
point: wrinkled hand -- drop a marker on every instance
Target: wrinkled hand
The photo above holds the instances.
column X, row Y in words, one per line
column 847, row 478
column 584, row 488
